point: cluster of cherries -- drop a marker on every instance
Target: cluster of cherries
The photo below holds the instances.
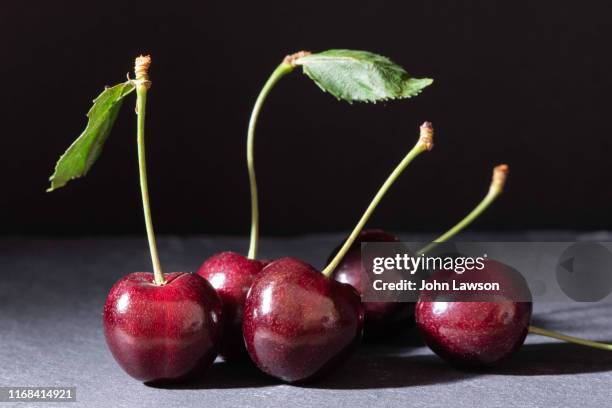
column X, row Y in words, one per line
column 293, row 321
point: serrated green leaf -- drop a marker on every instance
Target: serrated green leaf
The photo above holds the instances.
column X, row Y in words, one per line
column 84, row 151
column 360, row 76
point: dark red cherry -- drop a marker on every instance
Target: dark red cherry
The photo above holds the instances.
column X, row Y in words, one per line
column 475, row 329
column 298, row 324
column 231, row 275
column 166, row 332
column 380, row 317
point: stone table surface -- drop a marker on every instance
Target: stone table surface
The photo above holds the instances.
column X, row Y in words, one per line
column 52, row 292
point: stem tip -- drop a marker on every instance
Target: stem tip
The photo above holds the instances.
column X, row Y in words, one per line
column 141, row 69
column 500, row 174
column 426, row 135
column 292, row 59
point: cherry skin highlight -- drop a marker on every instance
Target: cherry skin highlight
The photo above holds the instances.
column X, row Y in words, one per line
column 298, row 325
column 231, row 274
column 476, row 333
column 380, row 317
column 163, row 333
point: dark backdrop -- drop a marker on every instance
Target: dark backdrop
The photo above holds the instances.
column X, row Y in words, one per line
column 522, row 82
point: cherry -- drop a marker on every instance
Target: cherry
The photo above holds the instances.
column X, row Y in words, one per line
column 472, row 329
column 383, row 317
column 380, row 317
column 480, row 332
column 298, row 324
column 158, row 327
column 232, row 275
column 166, row 332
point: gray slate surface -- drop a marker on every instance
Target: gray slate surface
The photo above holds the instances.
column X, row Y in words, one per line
column 51, row 297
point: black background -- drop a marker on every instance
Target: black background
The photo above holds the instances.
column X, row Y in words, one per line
column 526, row 83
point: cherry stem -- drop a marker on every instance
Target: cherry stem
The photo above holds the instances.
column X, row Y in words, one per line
column 143, row 84
column 500, row 173
column 424, row 143
column 287, row 66
column 570, row 339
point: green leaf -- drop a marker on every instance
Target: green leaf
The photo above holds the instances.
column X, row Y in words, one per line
column 84, row 151
column 360, row 76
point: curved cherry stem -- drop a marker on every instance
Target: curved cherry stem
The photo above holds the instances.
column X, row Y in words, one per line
column 500, row 173
column 570, row 339
column 283, row 69
column 424, row 143
column 143, row 84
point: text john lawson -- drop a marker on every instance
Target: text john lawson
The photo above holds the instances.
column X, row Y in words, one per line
column 412, row 264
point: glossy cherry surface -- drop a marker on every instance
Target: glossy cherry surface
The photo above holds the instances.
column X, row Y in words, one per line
column 231, row 274
column 474, row 333
column 380, row 317
column 166, row 332
column 298, row 324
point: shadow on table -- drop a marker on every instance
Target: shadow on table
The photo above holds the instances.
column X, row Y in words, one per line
column 373, row 367
column 367, row 369
column 223, row 375
column 555, row 359
column 377, row 370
